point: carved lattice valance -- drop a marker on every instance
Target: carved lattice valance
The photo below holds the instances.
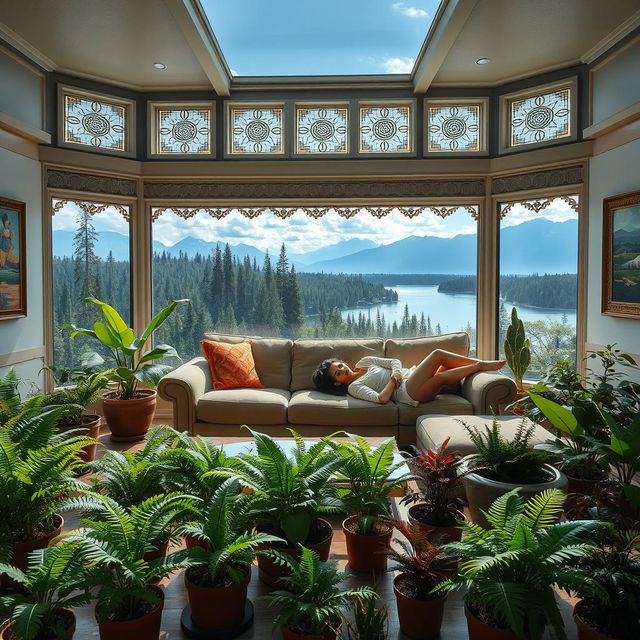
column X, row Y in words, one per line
column 541, row 204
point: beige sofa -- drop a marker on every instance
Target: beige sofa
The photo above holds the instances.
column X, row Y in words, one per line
column 289, row 399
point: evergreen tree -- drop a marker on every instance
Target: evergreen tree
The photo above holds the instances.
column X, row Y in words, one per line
column 292, row 302
column 229, row 279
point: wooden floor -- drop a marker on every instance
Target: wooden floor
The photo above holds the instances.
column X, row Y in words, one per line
column 454, row 625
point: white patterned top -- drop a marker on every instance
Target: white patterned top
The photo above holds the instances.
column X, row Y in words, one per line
column 378, row 372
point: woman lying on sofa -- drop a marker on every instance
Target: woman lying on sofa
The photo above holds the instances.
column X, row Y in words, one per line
column 381, row 379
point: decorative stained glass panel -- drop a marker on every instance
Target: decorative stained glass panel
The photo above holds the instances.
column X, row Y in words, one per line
column 95, row 123
column 322, row 129
column 385, row 129
column 184, row 131
column 454, row 128
column 256, row 130
column 541, row 117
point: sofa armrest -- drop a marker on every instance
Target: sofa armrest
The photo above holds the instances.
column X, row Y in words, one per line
column 183, row 387
column 487, row 390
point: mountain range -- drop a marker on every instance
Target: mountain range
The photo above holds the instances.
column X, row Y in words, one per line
column 537, row 246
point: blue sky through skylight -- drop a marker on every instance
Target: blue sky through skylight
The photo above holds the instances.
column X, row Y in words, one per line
column 328, row 37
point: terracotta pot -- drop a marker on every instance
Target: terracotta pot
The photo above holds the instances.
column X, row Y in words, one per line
column 579, row 485
column 478, row 630
column 67, row 635
column 190, row 542
column 146, row 627
column 91, row 428
column 419, row 619
column 481, row 491
column 229, row 603
column 433, row 532
column 156, row 554
column 270, row 572
column 366, row 554
column 290, row 635
column 129, row 420
column 586, row 632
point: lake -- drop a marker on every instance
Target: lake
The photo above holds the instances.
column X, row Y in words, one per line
column 452, row 311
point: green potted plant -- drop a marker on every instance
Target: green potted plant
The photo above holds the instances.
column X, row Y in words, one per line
column 510, row 567
column 504, row 465
column 369, row 475
column 49, row 590
column 614, row 612
column 437, row 509
column 369, row 623
column 422, row 566
column 311, row 607
column 115, row 541
column 517, row 350
column 221, row 569
column 291, row 489
column 129, row 410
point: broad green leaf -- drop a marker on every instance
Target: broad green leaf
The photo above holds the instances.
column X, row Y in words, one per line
column 159, row 318
column 560, row 417
column 151, row 374
column 161, row 351
column 107, row 335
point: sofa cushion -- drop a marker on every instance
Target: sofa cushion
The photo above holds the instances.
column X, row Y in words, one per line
column 243, row 406
column 232, row 365
column 308, row 354
column 413, row 351
column 271, row 355
column 315, row 407
column 433, row 430
column 448, row 404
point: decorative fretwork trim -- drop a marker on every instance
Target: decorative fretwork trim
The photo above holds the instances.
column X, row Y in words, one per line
column 540, row 205
column 92, row 208
column 313, row 212
column 292, row 191
column 537, row 180
column 57, row 179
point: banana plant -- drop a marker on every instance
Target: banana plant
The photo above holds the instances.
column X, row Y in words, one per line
column 126, row 348
column 517, row 349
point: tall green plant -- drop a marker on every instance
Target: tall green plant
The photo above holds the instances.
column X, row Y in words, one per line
column 369, row 623
column 131, row 367
column 510, row 569
column 517, row 348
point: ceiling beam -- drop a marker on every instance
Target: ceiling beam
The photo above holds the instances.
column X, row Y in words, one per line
column 193, row 22
column 445, row 28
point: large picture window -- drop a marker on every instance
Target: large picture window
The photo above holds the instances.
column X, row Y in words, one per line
column 91, row 257
column 313, row 272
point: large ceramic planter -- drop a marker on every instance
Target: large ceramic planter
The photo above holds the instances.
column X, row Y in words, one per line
column 478, row 630
column 229, row 602
column 270, row 572
column 481, row 491
column 366, row 554
column 90, row 427
column 129, row 420
column 419, row 619
column 433, row 532
column 584, row 487
column 69, row 624
column 585, row 631
column 146, row 627
column 290, row 635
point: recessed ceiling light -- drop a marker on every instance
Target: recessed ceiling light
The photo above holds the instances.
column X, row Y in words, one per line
column 159, row 65
column 483, row 60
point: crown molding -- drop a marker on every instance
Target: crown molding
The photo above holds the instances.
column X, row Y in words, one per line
column 26, row 49
column 612, row 38
column 23, row 129
column 306, row 83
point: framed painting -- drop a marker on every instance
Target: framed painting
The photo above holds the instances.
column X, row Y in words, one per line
column 13, row 263
column 621, row 256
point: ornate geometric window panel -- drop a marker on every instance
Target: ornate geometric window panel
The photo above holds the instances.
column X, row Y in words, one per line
column 386, row 128
column 322, row 129
column 256, row 129
column 181, row 129
column 455, row 127
column 99, row 122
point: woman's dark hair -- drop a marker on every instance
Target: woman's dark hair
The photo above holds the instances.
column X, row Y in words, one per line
column 324, row 381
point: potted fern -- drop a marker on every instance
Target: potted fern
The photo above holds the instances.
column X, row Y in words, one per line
column 129, row 410
column 369, row 623
column 511, row 566
column 422, row 567
column 291, row 490
column 517, row 351
column 311, row 607
column 368, row 475
column 221, row 569
column 50, row 588
column 115, row 540
column 504, row 465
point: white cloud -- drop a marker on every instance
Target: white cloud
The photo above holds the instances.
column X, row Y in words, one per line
column 410, row 12
column 233, row 72
column 398, row 65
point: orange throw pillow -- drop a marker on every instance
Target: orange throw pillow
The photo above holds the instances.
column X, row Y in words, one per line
column 231, row 365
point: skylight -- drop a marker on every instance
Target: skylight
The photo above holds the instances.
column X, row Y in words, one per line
column 332, row 37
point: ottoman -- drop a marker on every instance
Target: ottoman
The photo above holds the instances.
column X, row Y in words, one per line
column 433, row 430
